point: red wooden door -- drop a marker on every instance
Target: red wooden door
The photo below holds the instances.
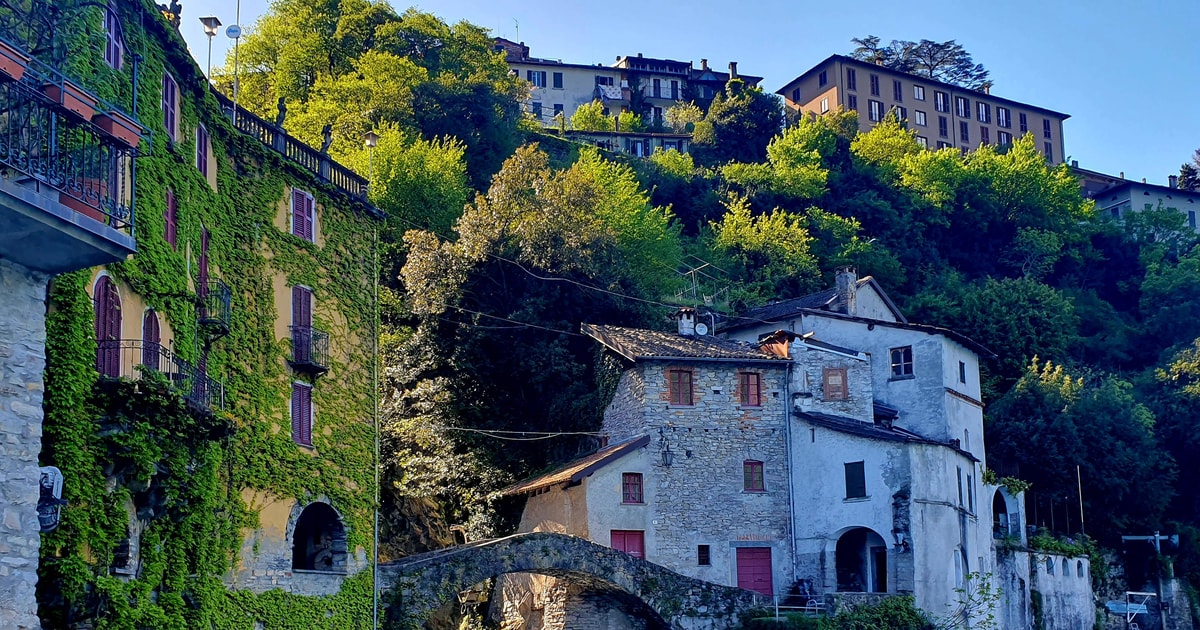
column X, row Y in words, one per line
column 631, row 541
column 754, row 569
column 107, row 305
column 151, row 340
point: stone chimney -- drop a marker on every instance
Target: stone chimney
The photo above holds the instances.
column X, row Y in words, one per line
column 687, row 321
column 847, row 288
column 704, row 64
column 732, row 69
column 1172, row 181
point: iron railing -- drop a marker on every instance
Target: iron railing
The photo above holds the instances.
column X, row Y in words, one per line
column 311, row 159
column 214, row 308
column 133, row 359
column 310, row 349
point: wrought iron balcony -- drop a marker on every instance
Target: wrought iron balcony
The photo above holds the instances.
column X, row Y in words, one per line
column 310, row 350
column 214, row 307
column 134, row 359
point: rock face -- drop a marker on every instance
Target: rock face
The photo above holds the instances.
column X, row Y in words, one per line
column 412, row 589
column 22, row 360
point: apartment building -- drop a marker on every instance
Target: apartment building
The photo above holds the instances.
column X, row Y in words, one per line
column 941, row 114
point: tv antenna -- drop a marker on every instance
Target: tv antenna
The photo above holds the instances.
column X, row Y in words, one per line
column 518, row 28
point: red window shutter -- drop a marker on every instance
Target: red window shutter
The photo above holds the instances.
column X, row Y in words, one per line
column 309, row 218
column 169, row 105
column 202, row 150
column 301, row 306
column 150, row 340
column 107, row 306
column 297, row 410
column 306, row 417
column 298, row 212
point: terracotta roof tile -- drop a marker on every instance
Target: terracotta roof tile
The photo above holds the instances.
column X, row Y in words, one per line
column 637, row 343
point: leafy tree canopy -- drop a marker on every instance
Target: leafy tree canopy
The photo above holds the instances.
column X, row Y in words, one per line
column 591, row 117
column 946, row 61
column 741, row 121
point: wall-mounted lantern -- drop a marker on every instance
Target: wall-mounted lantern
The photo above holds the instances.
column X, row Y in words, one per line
column 50, row 501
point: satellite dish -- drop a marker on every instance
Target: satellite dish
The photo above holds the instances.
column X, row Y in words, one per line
column 701, row 329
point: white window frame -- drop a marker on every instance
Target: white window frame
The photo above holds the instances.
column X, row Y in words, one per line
column 825, row 105
column 918, row 92
column 875, row 110
column 920, row 118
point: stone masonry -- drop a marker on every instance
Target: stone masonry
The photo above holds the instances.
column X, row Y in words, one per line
column 22, row 361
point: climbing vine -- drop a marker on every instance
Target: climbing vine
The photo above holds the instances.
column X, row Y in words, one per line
column 134, row 451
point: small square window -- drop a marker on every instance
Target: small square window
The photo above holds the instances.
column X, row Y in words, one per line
column 631, row 488
column 749, row 389
column 902, row 362
column 558, row 80
column 918, row 92
column 834, row 381
column 679, row 382
column 919, row 118
column 856, row 480
column 703, row 555
column 752, row 476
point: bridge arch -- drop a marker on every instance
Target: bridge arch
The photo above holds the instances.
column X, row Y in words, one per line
column 413, row 588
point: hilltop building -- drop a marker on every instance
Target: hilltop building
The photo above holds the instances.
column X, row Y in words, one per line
column 941, row 114
column 824, row 451
column 1116, row 197
column 209, row 406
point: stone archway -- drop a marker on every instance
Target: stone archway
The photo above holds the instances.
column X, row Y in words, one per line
column 1006, row 514
column 861, row 561
column 319, row 540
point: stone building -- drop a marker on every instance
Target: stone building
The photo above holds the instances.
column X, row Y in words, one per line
column 208, row 400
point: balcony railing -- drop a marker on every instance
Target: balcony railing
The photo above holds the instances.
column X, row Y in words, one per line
column 277, row 139
column 214, row 308
column 133, row 359
column 310, row 349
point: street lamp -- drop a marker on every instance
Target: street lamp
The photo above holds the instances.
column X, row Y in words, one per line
column 370, row 139
column 210, row 28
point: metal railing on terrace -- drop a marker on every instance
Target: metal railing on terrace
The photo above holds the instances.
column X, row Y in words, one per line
column 310, row 349
column 134, row 359
column 271, row 135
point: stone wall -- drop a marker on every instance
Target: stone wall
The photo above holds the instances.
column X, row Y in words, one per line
column 623, row 418
column 1066, row 596
column 22, row 361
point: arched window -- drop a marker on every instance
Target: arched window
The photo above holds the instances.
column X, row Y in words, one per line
column 319, row 540
column 151, row 340
column 106, row 303
column 1065, row 572
column 1050, row 566
column 1079, row 568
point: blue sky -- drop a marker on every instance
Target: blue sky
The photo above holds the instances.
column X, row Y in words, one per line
column 1122, row 70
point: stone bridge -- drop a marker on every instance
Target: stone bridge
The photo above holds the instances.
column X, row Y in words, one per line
column 413, row 588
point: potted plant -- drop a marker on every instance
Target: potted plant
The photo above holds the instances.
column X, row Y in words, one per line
column 71, row 99
column 121, row 128
column 12, row 62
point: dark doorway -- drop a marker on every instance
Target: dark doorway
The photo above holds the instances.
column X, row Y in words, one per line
column 319, row 541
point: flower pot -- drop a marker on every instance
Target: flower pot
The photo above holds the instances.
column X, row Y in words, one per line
column 71, row 99
column 12, row 62
column 119, row 127
column 82, row 208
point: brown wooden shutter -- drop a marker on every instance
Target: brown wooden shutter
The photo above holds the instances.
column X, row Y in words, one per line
column 107, row 305
column 151, row 346
column 297, row 410
column 301, row 324
column 298, row 212
column 309, row 218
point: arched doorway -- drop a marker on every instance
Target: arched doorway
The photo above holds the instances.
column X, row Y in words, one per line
column 1006, row 515
column 319, row 540
column 861, row 560
column 106, row 303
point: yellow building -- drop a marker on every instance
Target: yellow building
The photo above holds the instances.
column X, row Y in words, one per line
column 941, row 114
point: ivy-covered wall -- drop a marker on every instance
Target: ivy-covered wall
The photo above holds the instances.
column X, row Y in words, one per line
column 200, row 492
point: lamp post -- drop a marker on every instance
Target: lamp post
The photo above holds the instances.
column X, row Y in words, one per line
column 234, row 32
column 210, row 28
column 370, row 139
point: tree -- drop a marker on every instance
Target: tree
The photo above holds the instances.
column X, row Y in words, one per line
column 740, row 123
column 793, row 166
column 773, row 251
column 591, row 117
column 629, row 121
column 682, row 117
column 1171, row 299
column 1189, row 178
column 944, row 61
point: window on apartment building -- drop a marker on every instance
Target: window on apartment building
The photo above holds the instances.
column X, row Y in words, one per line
column 852, row 102
column 536, row 77
column 558, row 108
column 1046, row 128
column 919, row 92
column 962, row 372
column 856, row 480
column 941, row 101
column 1003, row 117
column 919, row 117
column 170, row 106
column 656, row 114
column 558, row 80
column 114, row 49
column 874, row 85
column 901, row 113
column 302, row 320
column 970, row 494
column 851, row 79
column 302, row 414
column 303, row 215
column 834, row 383
column 943, row 127
column 897, row 91
column 1049, row 151
column 943, row 144
column 1003, row 138
column 600, row 80
column 964, row 131
column 151, row 340
column 679, row 386
column 902, row 361
column 749, row 389
column 703, row 555
column 202, row 150
column 923, row 141
column 962, row 107
column 875, row 111
column 752, row 476
column 795, row 95
column 984, row 112
column 171, row 218
column 674, row 90
column 824, row 105
column 536, row 110
column 631, row 488
column 984, row 135
column 960, row 487
column 1191, row 218
column 656, row 88
column 822, row 79
column 1024, row 123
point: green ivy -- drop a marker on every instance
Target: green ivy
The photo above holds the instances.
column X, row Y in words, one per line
column 126, row 442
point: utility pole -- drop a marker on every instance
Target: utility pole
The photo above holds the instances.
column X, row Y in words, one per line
column 1157, row 540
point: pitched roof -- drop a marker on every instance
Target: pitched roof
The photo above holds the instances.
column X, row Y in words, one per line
column 874, row 431
column 575, row 471
column 639, row 344
column 819, row 300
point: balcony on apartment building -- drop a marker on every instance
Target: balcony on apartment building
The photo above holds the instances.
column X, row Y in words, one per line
column 317, row 162
column 67, row 170
column 310, row 350
column 214, row 304
column 136, row 360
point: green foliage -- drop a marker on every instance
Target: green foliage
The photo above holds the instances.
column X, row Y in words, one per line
column 674, row 163
column 740, row 123
column 774, row 250
column 1171, row 299
column 682, row 117
column 946, row 61
column 630, row 122
column 591, row 117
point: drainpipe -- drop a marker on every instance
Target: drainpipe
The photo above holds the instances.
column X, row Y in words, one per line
column 787, row 432
column 375, row 410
